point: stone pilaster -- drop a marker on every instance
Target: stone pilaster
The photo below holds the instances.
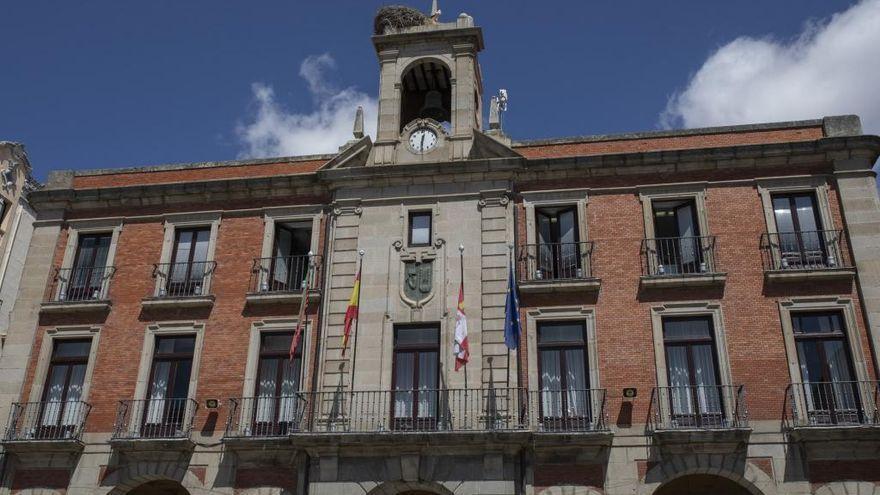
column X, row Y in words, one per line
column 496, row 236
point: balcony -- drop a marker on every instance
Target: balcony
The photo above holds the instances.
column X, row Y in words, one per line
column 834, row 410
column 680, row 262
column 46, row 426
column 448, row 413
column 154, row 422
column 699, row 413
column 281, row 279
column 79, row 289
column 556, row 267
column 182, row 285
column 801, row 256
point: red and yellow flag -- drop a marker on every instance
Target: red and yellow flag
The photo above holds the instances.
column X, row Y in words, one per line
column 351, row 314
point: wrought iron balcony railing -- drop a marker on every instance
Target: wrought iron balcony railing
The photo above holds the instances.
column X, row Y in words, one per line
column 154, row 419
column 47, row 421
column 555, row 261
column 81, row 284
column 813, row 250
column 186, row 279
column 843, row 403
column 706, row 407
column 573, row 410
column 283, row 273
column 423, row 410
column 678, row 256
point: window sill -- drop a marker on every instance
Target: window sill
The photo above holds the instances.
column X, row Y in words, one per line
column 806, row 275
column 559, row 285
column 279, row 297
column 688, row 280
column 824, row 433
column 178, row 302
column 56, row 307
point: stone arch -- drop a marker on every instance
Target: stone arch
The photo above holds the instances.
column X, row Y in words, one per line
column 732, row 467
column 410, row 488
column 848, row 488
column 421, row 79
column 131, row 476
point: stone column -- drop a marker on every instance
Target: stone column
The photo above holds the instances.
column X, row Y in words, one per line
column 857, row 187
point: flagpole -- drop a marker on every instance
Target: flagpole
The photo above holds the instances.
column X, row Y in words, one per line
column 461, row 265
column 357, row 322
column 510, row 260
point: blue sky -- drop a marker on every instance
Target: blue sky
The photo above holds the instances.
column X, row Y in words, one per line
column 109, row 84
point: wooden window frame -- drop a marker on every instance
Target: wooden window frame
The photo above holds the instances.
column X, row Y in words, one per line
column 419, row 213
column 560, row 347
column 689, row 344
column 417, row 349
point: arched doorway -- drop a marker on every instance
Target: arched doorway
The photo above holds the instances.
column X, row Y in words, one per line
column 161, row 487
column 701, row 484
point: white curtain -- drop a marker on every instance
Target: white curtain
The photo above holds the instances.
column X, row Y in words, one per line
column 403, row 385
column 158, row 393
column 287, row 410
column 54, row 392
column 427, row 385
column 679, row 381
column 551, row 384
column 265, row 407
column 686, row 231
column 576, row 380
column 74, row 394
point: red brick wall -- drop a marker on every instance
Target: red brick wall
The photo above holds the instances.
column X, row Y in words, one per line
column 265, row 477
column 670, row 143
column 227, row 325
column 821, row 472
column 28, row 479
column 547, row 475
column 623, row 316
column 196, row 174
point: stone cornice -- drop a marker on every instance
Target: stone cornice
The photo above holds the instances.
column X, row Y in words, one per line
column 323, row 182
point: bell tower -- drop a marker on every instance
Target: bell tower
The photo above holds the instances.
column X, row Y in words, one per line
column 430, row 87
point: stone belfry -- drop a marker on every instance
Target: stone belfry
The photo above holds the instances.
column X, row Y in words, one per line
column 430, row 87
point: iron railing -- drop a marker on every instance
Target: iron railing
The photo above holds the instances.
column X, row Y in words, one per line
column 699, row 407
column 184, row 279
column 154, row 419
column 283, row 273
column 678, row 256
column 47, row 421
column 573, row 410
column 555, row 261
column 842, row 403
column 424, row 410
column 80, row 284
column 812, row 250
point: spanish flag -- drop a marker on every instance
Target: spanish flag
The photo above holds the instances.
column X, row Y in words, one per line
column 351, row 314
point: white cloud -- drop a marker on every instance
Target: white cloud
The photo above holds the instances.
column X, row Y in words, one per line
column 273, row 131
column 832, row 68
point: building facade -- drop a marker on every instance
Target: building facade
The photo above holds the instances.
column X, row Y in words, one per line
column 699, row 309
column 16, row 219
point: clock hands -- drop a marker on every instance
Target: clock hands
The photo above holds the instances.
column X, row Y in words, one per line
column 422, row 145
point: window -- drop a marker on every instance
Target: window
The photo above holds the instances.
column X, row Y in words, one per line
column 279, row 404
column 829, row 391
column 420, row 228
column 189, row 262
column 563, row 379
column 3, row 206
column 290, row 261
column 62, row 409
column 677, row 236
column 694, row 392
column 558, row 248
column 416, row 377
column 86, row 278
column 799, row 227
column 167, row 396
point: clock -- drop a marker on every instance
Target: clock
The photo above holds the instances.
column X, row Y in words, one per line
column 423, row 139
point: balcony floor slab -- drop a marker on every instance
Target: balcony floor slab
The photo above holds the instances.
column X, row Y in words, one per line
column 783, row 276
column 675, row 281
column 559, row 286
column 57, row 307
column 279, row 297
column 178, row 302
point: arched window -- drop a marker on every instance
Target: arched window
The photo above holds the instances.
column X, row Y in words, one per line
column 426, row 93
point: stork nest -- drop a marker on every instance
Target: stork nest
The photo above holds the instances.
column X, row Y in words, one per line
column 397, row 17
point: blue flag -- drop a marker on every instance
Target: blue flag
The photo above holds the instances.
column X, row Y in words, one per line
column 512, row 327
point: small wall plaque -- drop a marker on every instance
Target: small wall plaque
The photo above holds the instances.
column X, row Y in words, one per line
column 630, row 392
column 212, row 403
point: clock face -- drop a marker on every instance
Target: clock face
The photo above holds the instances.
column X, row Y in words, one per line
column 423, row 140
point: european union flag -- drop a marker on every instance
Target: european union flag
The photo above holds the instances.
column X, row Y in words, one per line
column 512, row 327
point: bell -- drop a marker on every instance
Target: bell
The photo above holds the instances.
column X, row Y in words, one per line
column 433, row 107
